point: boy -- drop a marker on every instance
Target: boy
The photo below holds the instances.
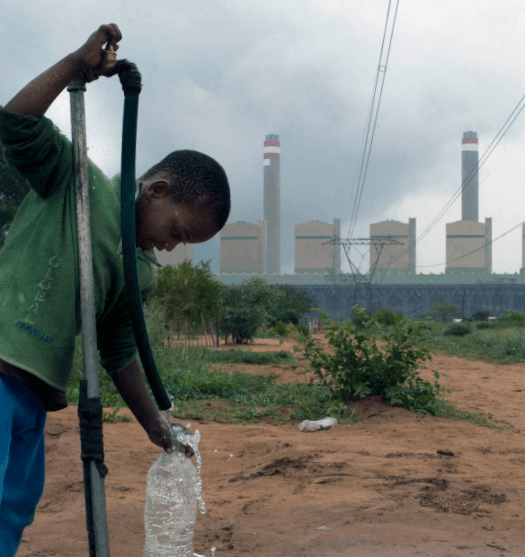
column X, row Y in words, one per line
column 184, row 198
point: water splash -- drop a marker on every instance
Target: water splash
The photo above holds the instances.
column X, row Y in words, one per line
column 193, row 442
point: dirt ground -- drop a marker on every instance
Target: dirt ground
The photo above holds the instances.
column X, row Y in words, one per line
column 397, row 484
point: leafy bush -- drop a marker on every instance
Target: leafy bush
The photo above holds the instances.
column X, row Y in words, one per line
column 269, row 303
column 512, row 316
column 354, row 367
column 484, row 325
column 241, row 323
column 442, row 312
column 303, row 330
column 387, row 317
column 482, row 314
column 360, row 317
column 188, row 295
column 284, row 315
column 280, row 329
column 458, row 329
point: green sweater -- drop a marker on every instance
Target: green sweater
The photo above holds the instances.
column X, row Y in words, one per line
column 40, row 302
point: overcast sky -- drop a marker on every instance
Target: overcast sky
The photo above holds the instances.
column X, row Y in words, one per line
column 218, row 75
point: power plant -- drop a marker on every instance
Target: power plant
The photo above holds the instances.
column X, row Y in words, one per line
column 253, row 249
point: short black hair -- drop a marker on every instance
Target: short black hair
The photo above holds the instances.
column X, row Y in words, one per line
column 196, row 180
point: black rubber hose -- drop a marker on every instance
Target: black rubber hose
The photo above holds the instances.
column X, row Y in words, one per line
column 131, row 84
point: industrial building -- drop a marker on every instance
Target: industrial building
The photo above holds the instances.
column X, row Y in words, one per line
column 312, row 252
column 466, row 251
column 243, row 247
column 468, row 280
column 469, row 248
column 394, row 256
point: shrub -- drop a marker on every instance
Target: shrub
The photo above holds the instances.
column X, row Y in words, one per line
column 354, row 367
column 304, row 330
column 512, row 316
column 482, row 314
column 188, row 295
column 483, row 325
column 360, row 317
column 241, row 323
column 387, row 317
column 280, row 329
column 458, row 329
column 284, row 315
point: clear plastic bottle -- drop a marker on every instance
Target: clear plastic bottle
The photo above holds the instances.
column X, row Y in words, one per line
column 171, row 501
column 325, row 423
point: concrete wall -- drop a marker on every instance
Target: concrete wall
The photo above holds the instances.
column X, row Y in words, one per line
column 312, row 253
column 391, row 257
column 240, row 248
column 463, row 237
column 180, row 254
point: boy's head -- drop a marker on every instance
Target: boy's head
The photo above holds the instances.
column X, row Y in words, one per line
column 185, row 199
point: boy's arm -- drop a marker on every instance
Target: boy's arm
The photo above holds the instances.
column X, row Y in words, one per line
column 132, row 388
column 87, row 63
column 36, row 97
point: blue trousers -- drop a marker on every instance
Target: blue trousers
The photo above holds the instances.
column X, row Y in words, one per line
column 22, row 461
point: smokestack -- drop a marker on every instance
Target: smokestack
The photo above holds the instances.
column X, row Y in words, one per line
column 469, row 174
column 412, row 246
column 272, row 202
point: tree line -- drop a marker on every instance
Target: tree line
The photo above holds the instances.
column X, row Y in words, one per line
column 192, row 299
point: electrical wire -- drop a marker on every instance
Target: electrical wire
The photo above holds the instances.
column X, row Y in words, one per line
column 473, row 251
column 364, row 167
column 472, row 173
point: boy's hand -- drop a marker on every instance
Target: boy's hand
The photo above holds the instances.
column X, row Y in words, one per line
column 91, row 56
column 159, row 434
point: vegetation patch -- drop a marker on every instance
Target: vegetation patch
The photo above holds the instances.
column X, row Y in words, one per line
column 248, row 357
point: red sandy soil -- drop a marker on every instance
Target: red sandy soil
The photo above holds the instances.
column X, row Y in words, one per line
column 396, row 484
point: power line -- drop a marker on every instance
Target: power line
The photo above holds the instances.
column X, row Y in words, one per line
column 484, row 158
column 473, row 251
column 364, row 167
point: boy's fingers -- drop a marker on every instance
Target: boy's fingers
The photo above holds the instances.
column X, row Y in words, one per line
column 116, row 35
column 108, row 34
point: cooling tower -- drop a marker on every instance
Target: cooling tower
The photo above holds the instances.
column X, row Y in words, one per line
column 469, row 175
column 272, row 201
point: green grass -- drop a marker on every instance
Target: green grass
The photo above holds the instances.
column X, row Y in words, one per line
column 201, row 392
column 495, row 344
column 192, row 382
column 248, row 357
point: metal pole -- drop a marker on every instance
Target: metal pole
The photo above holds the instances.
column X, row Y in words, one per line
column 89, row 334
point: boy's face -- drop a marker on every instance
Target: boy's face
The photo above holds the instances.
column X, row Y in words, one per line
column 164, row 225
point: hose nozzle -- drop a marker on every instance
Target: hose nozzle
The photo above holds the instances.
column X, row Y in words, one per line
column 110, row 58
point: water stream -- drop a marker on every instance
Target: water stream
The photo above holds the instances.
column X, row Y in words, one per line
column 193, row 442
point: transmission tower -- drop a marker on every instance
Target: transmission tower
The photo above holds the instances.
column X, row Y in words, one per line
column 363, row 281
